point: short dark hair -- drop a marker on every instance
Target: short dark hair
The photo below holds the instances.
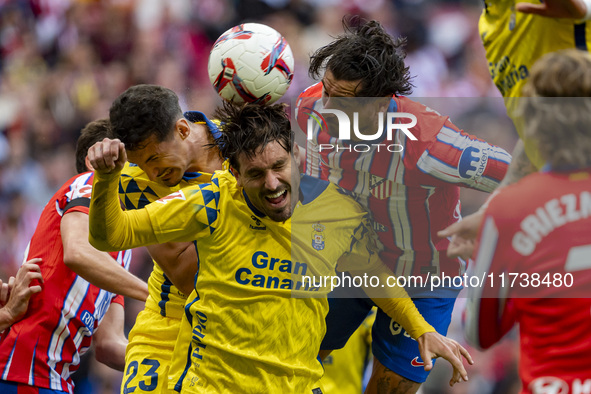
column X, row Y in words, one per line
column 248, row 128
column 92, row 133
column 142, row 111
column 366, row 53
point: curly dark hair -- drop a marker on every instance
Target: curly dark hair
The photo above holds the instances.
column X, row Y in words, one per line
column 92, row 133
column 368, row 54
column 142, row 111
column 248, row 128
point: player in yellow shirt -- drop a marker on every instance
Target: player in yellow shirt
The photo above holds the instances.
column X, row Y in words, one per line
column 146, row 112
column 515, row 36
column 514, row 40
column 252, row 324
column 344, row 368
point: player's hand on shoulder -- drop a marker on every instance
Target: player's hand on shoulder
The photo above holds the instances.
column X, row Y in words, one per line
column 574, row 9
column 20, row 289
column 107, row 156
column 433, row 345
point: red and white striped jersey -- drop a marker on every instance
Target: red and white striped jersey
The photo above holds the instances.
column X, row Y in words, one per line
column 44, row 348
column 534, row 252
column 413, row 193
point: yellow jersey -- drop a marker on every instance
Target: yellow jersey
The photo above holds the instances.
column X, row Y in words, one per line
column 153, row 336
column 344, row 368
column 513, row 41
column 247, row 325
column 135, row 192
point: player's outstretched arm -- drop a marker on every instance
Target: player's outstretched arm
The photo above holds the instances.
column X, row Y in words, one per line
column 396, row 303
column 363, row 260
column 433, row 345
column 463, row 233
column 110, row 339
column 96, row 267
column 19, row 292
column 111, row 229
column 575, row 9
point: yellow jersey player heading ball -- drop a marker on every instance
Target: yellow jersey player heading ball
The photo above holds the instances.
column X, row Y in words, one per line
column 243, row 329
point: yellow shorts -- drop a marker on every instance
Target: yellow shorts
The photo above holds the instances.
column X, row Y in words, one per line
column 149, row 353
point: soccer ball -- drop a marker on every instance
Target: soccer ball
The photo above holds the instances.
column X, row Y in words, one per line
column 251, row 63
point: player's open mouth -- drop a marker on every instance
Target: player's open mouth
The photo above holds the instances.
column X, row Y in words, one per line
column 166, row 174
column 277, row 198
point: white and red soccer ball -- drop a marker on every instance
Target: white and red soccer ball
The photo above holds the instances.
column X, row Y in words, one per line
column 251, row 63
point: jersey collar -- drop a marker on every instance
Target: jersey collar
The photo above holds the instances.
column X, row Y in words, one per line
column 310, row 188
column 252, row 207
column 199, row 117
column 189, row 176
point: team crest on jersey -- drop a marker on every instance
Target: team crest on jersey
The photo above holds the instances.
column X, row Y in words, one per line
column 380, row 188
column 318, row 236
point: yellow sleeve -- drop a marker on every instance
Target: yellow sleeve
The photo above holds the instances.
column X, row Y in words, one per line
column 188, row 214
column 110, row 228
column 182, row 216
column 136, row 190
column 397, row 304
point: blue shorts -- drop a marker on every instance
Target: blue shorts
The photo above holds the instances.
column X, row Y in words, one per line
column 391, row 345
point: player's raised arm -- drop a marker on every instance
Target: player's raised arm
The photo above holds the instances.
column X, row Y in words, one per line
column 111, row 229
column 179, row 217
column 96, row 267
column 363, row 260
column 397, row 304
column 463, row 233
column 474, row 163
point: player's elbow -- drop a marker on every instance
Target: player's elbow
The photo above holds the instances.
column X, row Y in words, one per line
column 111, row 353
column 73, row 258
column 102, row 243
column 101, row 353
column 185, row 284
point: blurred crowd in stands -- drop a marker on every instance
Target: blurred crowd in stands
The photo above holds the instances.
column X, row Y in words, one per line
column 62, row 62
